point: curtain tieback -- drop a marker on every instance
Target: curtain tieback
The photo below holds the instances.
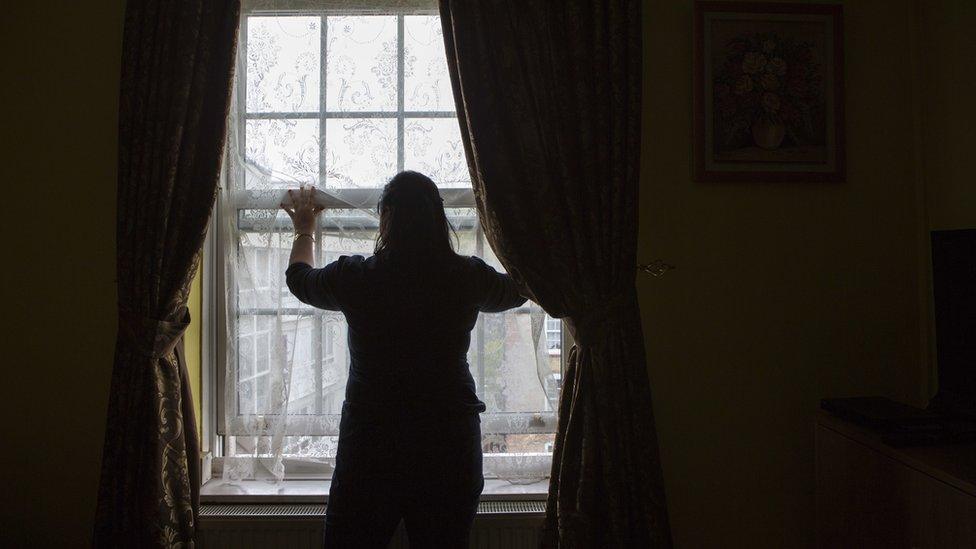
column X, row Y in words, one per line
column 591, row 326
column 152, row 337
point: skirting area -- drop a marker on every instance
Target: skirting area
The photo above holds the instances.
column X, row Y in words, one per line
column 499, row 524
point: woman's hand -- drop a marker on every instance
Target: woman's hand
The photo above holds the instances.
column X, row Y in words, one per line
column 302, row 209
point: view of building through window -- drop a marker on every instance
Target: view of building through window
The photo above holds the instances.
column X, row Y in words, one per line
column 343, row 103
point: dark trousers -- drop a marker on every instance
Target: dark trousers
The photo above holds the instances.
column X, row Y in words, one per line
column 390, row 466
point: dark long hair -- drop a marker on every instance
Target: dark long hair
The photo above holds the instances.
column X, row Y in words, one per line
column 412, row 220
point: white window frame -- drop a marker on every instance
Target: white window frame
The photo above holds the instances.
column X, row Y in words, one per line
column 214, row 348
column 558, row 349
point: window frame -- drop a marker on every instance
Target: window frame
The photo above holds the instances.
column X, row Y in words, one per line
column 215, row 348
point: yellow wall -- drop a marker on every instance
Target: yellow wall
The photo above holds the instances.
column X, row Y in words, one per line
column 948, row 46
column 784, row 293
column 60, row 95
column 193, row 344
column 60, row 98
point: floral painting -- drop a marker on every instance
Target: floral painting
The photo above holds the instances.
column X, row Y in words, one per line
column 768, row 92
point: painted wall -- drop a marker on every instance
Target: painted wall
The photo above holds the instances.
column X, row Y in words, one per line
column 948, row 84
column 59, row 162
column 60, row 97
column 193, row 345
column 783, row 293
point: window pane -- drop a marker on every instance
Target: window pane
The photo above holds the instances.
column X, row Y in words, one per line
column 432, row 146
column 261, row 394
column 261, row 282
column 283, row 64
column 302, row 343
column 285, row 152
column 361, row 69
column 427, row 84
column 517, row 443
column 262, row 353
column 360, row 152
column 513, row 457
column 262, row 362
column 335, row 364
column 293, row 448
column 510, row 359
column 245, row 397
column 245, row 350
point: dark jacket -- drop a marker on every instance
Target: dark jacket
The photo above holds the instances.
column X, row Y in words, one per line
column 409, row 325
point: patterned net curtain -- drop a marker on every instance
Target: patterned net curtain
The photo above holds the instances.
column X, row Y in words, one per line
column 340, row 96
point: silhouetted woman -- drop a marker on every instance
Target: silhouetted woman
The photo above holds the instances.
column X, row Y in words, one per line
column 410, row 435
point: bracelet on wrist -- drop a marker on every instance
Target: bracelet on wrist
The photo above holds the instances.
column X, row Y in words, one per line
column 309, row 235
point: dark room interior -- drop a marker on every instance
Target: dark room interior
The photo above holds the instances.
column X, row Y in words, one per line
column 569, row 141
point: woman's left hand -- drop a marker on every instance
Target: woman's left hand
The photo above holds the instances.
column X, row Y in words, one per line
column 303, row 210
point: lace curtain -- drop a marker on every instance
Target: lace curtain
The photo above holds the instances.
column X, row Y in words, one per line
column 340, row 96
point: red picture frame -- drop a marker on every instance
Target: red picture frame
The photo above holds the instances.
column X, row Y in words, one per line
column 768, row 92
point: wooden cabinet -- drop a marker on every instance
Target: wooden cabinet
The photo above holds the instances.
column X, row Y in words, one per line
column 871, row 495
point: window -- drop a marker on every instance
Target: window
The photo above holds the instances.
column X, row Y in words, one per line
column 554, row 334
column 343, row 101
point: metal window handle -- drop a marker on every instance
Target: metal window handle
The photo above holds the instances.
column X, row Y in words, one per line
column 656, row 268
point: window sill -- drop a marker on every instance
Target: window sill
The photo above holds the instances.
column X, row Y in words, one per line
column 317, row 491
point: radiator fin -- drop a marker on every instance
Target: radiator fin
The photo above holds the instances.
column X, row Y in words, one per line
column 511, row 507
column 262, row 510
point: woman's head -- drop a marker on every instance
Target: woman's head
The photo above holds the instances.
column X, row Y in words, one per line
column 412, row 218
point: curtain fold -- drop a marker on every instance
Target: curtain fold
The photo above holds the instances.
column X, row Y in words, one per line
column 177, row 65
column 549, row 103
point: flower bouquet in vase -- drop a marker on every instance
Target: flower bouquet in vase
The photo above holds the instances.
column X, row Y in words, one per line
column 767, row 92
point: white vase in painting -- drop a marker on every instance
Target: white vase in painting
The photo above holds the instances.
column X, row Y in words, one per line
column 767, row 134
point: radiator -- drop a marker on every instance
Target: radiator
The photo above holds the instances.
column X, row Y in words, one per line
column 498, row 525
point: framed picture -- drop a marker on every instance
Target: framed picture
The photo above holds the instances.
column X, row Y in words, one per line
column 769, row 92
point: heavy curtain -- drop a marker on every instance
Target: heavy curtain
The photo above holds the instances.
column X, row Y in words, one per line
column 175, row 87
column 548, row 97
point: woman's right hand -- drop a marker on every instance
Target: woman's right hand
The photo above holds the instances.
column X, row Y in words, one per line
column 303, row 210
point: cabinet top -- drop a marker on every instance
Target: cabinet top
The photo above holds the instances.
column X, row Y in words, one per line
column 953, row 464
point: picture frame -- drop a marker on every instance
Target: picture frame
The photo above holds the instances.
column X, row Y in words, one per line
column 768, row 92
